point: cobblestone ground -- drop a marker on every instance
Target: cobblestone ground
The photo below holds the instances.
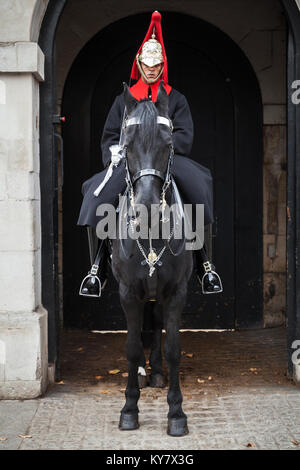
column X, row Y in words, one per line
column 236, row 396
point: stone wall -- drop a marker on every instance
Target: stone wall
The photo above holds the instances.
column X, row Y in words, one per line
column 274, row 231
column 23, row 320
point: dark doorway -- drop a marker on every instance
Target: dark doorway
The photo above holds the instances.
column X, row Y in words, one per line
column 224, row 96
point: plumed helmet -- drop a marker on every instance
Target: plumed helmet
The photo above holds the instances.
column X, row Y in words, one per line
column 152, row 51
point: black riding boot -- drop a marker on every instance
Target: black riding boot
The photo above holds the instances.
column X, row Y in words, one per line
column 207, row 277
column 93, row 284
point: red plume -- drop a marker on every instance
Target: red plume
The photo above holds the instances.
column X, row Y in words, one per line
column 155, row 23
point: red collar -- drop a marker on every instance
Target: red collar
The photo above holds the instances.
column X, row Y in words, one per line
column 140, row 90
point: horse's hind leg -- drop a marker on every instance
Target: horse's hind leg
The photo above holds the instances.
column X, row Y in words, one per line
column 177, row 420
column 157, row 379
column 129, row 414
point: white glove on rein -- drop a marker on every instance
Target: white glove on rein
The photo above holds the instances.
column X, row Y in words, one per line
column 116, row 157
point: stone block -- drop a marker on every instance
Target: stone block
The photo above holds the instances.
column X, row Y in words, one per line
column 16, row 114
column 37, row 276
column 274, row 253
column 273, row 78
column 22, row 185
column 15, row 19
column 3, row 193
column 22, row 57
column 24, row 358
column 275, row 147
column 20, row 225
column 19, row 140
column 274, row 299
column 274, row 114
column 17, row 281
column 282, row 213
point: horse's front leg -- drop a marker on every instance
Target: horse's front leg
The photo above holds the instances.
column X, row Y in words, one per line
column 134, row 349
column 177, row 420
column 157, row 379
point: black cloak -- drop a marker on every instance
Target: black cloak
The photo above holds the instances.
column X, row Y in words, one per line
column 194, row 181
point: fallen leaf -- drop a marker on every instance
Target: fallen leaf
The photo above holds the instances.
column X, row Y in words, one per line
column 99, row 377
column 24, row 436
column 3, row 438
column 125, row 374
column 295, row 442
column 200, row 381
column 104, row 392
column 189, row 355
column 60, row 383
column 114, row 371
column 250, row 444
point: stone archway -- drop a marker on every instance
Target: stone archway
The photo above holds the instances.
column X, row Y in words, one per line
column 225, row 101
column 292, row 11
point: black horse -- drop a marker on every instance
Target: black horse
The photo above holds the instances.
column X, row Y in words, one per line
column 147, row 269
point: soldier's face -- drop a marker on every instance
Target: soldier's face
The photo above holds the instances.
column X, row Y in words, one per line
column 151, row 73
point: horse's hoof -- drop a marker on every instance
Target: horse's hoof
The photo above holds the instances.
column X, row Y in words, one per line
column 143, row 381
column 157, row 381
column 177, row 427
column 128, row 422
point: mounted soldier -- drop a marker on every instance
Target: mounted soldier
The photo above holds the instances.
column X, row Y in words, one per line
column 193, row 180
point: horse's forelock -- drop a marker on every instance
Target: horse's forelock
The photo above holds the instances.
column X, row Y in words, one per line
column 147, row 113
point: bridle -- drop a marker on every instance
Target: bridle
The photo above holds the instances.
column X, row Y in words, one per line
column 152, row 258
column 165, row 177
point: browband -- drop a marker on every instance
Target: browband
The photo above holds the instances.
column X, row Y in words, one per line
column 160, row 120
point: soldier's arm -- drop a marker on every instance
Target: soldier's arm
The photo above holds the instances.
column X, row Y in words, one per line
column 112, row 128
column 183, row 133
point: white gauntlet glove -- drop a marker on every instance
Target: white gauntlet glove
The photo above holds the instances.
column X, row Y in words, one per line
column 116, row 157
column 116, row 154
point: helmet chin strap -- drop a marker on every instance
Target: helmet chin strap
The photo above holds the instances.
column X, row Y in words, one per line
column 144, row 76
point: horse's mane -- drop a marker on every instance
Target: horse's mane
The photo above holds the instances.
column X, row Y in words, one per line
column 147, row 113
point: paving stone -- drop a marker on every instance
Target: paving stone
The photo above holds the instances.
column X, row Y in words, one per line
column 236, row 410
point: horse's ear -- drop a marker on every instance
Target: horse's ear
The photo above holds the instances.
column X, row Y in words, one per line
column 162, row 101
column 130, row 101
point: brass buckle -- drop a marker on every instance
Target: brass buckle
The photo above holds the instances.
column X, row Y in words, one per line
column 207, row 266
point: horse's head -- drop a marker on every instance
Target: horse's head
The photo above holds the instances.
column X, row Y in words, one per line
column 148, row 140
